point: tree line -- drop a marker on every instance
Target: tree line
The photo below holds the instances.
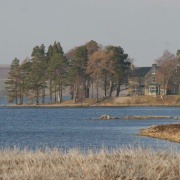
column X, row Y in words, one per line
column 48, row 73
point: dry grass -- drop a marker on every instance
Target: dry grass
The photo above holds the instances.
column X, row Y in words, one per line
column 166, row 131
column 126, row 163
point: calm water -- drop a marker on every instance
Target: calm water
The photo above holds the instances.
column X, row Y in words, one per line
column 72, row 127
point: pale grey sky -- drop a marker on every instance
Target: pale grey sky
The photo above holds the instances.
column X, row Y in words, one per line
column 143, row 28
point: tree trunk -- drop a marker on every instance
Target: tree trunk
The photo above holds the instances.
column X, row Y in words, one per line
column 55, row 94
column 105, row 87
column 37, row 96
column 118, row 89
column 43, row 95
column 87, row 92
column 87, row 85
column 60, row 93
column 97, row 89
column 72, row 92
column 111, row 88
column 50, row 88
column 92, row 89
column 165, row 90
column 75, row 92
column 16, row 97
column 21, row 99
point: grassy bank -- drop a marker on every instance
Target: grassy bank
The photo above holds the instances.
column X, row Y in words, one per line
column 126, row 163
column 119, row 101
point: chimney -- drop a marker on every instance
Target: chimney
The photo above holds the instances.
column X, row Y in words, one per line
column 154, row 65
column 131, row 66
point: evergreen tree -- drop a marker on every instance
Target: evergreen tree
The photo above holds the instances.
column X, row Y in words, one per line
column 25, row 71
column 77, row 71
column 37, row 77
column 121, row 66
column 13, row 82
column 70, row 78
column 49, row 74
column 57, row 70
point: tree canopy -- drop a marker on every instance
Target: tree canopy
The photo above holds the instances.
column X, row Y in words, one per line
column 49, row 73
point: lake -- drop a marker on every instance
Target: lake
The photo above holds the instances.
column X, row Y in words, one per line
column 68, row 127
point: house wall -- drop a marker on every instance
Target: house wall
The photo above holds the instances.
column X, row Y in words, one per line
column 152, row 79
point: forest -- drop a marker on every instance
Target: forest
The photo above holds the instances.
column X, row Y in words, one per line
column 50, row 73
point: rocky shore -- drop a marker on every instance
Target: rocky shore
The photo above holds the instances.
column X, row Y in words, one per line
column 106, row 117
column 169, row 132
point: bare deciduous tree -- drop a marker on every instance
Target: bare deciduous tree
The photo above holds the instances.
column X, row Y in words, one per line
column 167, row 65
column 99, row 62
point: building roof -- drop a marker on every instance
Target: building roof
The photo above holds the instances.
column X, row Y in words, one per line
column 139, row 71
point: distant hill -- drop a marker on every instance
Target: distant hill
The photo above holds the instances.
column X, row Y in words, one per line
column 4, row 70
column 4, row 65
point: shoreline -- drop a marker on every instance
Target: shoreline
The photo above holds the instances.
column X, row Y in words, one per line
column 129, row 101
column 169, row 132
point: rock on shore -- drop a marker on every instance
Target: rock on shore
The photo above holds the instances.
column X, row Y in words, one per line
column 106, row 116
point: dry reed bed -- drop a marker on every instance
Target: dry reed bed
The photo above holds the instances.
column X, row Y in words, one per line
column 126, row 163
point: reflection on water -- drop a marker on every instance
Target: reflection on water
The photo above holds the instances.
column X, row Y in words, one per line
column 72, row 127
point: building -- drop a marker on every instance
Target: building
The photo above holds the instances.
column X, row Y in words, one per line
column 146, row 81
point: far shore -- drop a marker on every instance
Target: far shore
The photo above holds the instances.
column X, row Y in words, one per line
column 173, row 100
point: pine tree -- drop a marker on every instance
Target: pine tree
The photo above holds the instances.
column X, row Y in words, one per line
column 57, row 70
column 121, row 66
column 25, row 71
column 49, row 74
column 77, row 71
column 13, row 82
column 37, row 77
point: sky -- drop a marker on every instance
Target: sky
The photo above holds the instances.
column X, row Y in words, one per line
column 143, row 28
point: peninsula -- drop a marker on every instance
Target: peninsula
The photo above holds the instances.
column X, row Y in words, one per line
column 169, row 132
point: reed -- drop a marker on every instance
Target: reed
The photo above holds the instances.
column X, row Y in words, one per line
column 124, row 163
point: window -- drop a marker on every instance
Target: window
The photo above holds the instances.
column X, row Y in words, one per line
column 135, row 89
column 153, row 79
column 154, row 89
column 173, row 89
column 174, row 80
column 153, row 71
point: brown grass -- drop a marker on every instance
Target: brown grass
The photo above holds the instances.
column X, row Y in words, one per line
column 167, row 131
column 126, row 163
